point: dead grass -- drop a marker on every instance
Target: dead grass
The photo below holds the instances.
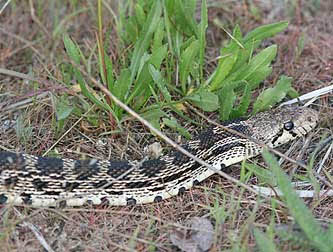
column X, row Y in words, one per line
column 27, row 46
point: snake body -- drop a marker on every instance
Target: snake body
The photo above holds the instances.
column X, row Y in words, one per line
column 45, row 181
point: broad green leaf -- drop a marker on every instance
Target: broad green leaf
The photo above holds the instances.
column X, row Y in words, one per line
column 297, row 208
column 143, row 62
column 145, row 36
column 241, row 68
column 158, row 36
column 154, row 117
column 271, row 96
column 122, row 85
column 258, row 76
column 71, row 49
column 243, row 104
column 141, row 99
column 226, row 103
column 63, row 108
column 186, row 62
column 160, row 82
column 205, row 100
column 140, row 14
column 173, row 124
column 264, row 243
column 227, row 98
column 229, row 56
column 182, row 15
column 131, row 33
column 292, row 93
column 121, row 89
column 158, row 56
column 143, row 79
column 245, row 54
column 259, row 61
column 141, row 85
column 265, row 31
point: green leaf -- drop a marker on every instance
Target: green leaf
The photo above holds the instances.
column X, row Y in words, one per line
column 186, row 62
column 143, row 79
column 158, row 36
column 244, row 55
column 264, row 243
column 243, row 104
column 202, row 36
column 109, row 80
column 173, row 124
column 227, row 97
column 265, row 31
column 154, row 117
column 63, row 108
column 140, row 14
column 182, row 15
column 265, row 176
column 71, row 49
column 205, row 100
column 292, row 93
column 261, row 60
column 158, row 55
column 85, row 91
column 160, row 82
column 122, row 85
column 229, row 56
column 297, row 208
column 258, row 76
column 145, row 36
column 271, row 96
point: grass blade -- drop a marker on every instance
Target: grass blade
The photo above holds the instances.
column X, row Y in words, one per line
column 146, row 34
column 297, row 208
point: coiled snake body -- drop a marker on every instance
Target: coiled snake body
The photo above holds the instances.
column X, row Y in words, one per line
column 42, row 181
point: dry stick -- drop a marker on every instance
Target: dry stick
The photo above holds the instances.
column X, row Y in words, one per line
column 167, row 139
column 36, row 232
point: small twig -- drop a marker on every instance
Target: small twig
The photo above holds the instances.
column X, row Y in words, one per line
column 4, row 6
column 325, row 157
column 36, row 232
column 312, row 95
column 301, row 193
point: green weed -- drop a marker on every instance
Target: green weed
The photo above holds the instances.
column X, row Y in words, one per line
column 162, row 68
column 317, row 237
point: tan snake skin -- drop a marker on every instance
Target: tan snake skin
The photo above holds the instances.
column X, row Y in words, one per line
column 42, row 181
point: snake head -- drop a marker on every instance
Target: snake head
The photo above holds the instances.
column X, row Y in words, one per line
column 284, row 124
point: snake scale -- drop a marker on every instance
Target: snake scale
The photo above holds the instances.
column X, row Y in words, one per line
column 46, row 181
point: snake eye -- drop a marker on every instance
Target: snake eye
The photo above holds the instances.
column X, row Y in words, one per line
column 288, row 125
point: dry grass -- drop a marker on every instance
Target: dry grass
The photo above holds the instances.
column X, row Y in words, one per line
column 28, row 46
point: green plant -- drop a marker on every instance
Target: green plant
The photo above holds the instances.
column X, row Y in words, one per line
column 314, row 233
column 162, row 67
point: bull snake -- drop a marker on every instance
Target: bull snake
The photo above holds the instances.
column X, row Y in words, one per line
column 45, row 181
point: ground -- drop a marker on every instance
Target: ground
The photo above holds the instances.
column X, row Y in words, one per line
column 31, row 43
